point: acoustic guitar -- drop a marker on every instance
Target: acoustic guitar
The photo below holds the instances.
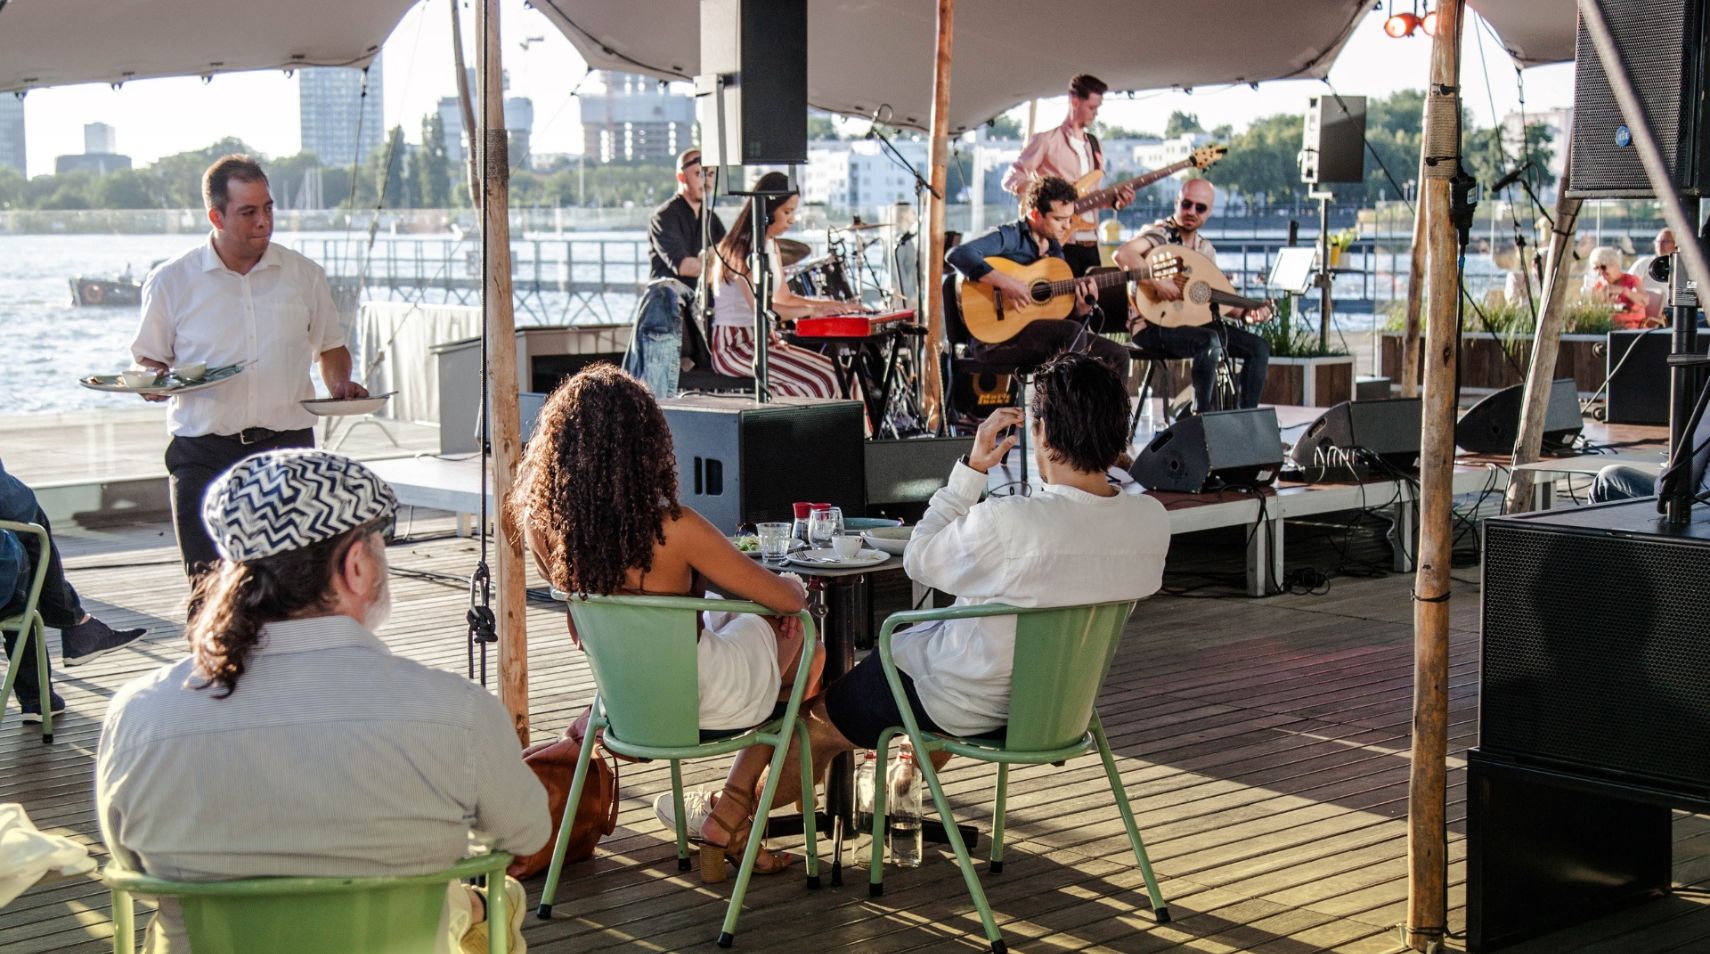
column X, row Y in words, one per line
column 1093, row 198
column 1206, row 286
column 992, row 319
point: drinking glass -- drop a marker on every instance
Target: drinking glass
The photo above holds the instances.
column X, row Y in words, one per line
column 823, row 524
column 774, row 541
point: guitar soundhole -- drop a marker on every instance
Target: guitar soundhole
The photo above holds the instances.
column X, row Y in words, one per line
column 1199, row 293
column 1041, row 292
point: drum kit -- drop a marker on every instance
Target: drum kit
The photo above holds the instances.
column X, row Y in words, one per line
column 844, row 271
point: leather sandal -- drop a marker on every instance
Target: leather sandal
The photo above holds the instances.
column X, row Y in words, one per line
column 713, row 854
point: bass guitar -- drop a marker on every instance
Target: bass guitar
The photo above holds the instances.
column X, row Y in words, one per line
column 1093, row 198
column 991, row 318
column 1206, row 286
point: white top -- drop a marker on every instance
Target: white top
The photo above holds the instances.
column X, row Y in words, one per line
column 730, row 306
column 277, row 319
column 1083, row 153
column 333, row 756
column 1059, row 547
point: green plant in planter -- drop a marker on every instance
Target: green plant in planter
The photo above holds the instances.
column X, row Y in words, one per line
column 1286, row 339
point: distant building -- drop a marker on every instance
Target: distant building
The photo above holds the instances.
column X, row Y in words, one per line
column 855, row 175
column 519, row 124
column 99, row 163
column 636, row 119
column 1559, row 121
column 100, row 137
column 330, row 108
column 12, row 132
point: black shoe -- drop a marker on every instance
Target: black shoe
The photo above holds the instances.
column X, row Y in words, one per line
column 92, row 639
column 33, row 708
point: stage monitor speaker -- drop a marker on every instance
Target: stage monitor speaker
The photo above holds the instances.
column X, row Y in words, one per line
column 740, row 462
column 1638, row 375
column 1493, row 425
column 1212, row 450
column 1662, row 43
column 759, row 49
column 1594, row 656
column 1352, row 438
column 903, row 475
column 1335, row 147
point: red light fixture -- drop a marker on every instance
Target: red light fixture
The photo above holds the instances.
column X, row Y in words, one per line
column 1429, row 23
column 1401, row 24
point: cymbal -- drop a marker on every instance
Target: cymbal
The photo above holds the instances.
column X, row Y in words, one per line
column 793, row 251
column 861, row 226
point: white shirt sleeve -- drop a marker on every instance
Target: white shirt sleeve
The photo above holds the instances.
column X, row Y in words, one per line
column 326, row 327
column 155, row 332
column 957, row 547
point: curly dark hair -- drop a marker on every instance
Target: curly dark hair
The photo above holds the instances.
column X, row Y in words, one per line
column 1046, row 191
column 599, row 480
column 1083, row 407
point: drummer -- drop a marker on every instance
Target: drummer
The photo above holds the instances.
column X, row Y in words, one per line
column 674, row 232
column 791, row 371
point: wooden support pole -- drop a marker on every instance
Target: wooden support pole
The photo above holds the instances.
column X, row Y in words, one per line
column 930, row 301
column 1427, row 832
column 1545, row 345
column 501, row 398
column 467, row 105
column 1415, row 289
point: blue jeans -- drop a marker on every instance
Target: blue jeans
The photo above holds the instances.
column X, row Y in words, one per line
column 656, row 341
column 1621, row 482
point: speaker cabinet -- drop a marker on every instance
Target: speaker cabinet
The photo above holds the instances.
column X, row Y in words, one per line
column 904, row 473
column 1493, row 425
column 1594, row 655
column 1335, row 147
column 759, row 49
column 1211, row 450
column 1662, row 44
column 1639, row 375
column 740, row 462
column 1352, row 438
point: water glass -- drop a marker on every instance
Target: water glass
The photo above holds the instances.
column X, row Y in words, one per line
column 824, row 523
column 774, row 541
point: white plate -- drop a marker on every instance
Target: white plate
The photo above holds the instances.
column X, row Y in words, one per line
column 335, row 407
column 117, row 385
column 755, row 553
column 888, row 539
column 826, row 557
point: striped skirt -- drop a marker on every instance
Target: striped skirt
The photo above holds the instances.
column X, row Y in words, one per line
column 790, row 371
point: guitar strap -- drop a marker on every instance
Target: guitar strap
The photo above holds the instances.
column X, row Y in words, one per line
column 1097, row 150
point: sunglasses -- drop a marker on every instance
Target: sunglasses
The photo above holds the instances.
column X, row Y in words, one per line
column 1199, row 207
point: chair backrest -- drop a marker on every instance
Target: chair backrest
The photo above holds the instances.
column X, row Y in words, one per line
column 955, row 330
column 386, row 915
column 641, row 650
column 38, row 575
column 1061, row 659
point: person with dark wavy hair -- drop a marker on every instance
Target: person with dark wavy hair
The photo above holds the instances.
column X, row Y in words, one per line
column 291, row 742
column 597, row 504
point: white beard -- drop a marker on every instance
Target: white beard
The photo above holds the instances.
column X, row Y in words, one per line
column 380, row 610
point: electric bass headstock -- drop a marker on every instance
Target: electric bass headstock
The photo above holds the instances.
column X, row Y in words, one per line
column 1206, row 156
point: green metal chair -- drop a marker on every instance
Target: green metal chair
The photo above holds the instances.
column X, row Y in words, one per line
column 641, row 650
column 1062, row 656
column 381, row 915
column 28, row 625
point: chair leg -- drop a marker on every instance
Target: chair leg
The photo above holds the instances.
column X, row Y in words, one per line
column 44, row 681
column 1160, row 910
column 547, row 892
column 997, row 818
column 124, row 923
column 18, row 650
column 1145, row 394
column 808, row 803
column 969, row 875
column 876, row 868
column 499, row 913
column 780, row 752
column 682, row 822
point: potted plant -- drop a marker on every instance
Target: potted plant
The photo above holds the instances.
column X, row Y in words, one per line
column 1496, row 346
column 1339, row 244
column 1302, row 373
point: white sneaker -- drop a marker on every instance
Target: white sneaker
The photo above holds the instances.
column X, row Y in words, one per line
column 697, row 805
column 475, row 940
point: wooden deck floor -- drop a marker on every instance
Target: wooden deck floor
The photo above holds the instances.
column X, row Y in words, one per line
column 1264, row 743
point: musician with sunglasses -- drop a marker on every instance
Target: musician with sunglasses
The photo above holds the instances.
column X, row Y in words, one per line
column 1193, row 207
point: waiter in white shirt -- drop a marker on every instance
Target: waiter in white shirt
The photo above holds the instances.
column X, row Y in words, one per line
column 238, row 298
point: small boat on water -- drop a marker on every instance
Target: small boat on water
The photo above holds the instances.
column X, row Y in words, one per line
column 90, row 290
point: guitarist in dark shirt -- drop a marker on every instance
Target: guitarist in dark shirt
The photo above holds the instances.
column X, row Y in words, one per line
column 1048, row 206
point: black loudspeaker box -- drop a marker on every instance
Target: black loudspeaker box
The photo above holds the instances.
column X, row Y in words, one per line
column 1594, row 655
column 1662, row 44
column 1212, row 450
column 1493, row 425
column 740, row 462
column 1335, row 147
column 754, row 58
column 1639, row 376
column 903, row 475
column 1353, row 438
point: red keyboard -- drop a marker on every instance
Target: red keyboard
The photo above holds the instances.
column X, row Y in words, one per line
column 851, row 326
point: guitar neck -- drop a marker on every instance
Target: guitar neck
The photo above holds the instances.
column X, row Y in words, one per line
column 1102, row 280
column 1095, row 200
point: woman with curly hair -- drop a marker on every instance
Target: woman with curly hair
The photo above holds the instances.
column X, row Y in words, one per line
column 790, row 370
column 597, row 504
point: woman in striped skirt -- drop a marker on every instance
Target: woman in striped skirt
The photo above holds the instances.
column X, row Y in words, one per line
column 790, row 370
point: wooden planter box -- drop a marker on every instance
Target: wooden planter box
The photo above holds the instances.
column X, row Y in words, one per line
column 1310, row 382
column 1483, row 366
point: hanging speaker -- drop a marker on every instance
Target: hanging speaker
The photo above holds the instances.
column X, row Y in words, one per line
column 751, row 93
column 1335, row 140
column 1212, row 450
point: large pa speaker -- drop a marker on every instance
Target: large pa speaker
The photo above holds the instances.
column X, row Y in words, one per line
column 1594, row 656
column 1662, row 43
column 1353, row 438
column 740, row 462
column 1493, row 425
column 903, row 475
column 1639, row 375
column 1206, row 451
column 1335, row 147
column 755, row 53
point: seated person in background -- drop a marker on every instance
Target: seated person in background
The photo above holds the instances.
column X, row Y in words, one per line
column 674, row 231
column 82, row 637
column 597, row 503
column 1078, row 540
column 1047, row 213
column 1615, row 287
column 291, row 741
column 1641, row 268
column 1622, row 482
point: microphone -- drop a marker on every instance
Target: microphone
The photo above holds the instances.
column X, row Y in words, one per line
column 1511, row 177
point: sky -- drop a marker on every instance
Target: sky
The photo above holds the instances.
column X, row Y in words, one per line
column 160, row 117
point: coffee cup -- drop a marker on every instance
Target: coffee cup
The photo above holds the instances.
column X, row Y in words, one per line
column 139, row 378
column 192, row 372
column 847, row 546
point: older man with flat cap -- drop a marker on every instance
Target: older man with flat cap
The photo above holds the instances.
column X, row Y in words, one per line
column 291, row 741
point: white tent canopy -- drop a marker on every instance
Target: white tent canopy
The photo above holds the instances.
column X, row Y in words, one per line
column 1534, row 32
column 62, row 42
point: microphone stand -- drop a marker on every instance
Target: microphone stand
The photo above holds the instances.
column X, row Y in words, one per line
column 921, row 189
column 761, row 280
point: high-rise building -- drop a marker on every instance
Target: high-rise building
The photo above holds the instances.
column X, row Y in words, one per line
column 519, row 124
column 636, row 118
column 100, row 137
column 12, row 131
column 330, row 108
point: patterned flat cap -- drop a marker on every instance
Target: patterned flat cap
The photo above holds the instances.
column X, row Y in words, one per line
column 288, row 499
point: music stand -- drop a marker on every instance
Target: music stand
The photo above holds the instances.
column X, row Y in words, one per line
column 1294, row 269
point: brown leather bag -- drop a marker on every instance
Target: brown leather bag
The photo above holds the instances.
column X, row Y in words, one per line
column 596, row 814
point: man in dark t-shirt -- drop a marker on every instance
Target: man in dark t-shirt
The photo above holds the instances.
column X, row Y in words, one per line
column 674, row 233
